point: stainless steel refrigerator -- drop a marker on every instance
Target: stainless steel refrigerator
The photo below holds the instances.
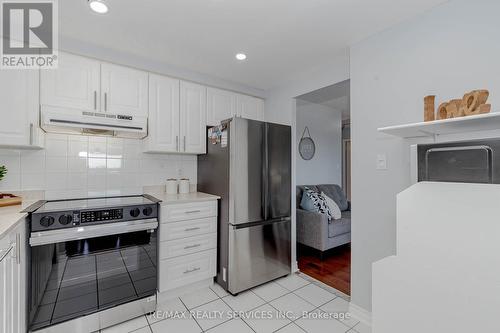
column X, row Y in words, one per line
column 248, row 164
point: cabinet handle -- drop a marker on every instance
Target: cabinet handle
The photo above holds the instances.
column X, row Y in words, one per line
column 184, row 143
column 192, row 229
column 105, row 101
column 192, row 211
column 95, row 99
column 177, row 142
column 191, row 246
column 4, row 253
column 192, row 270
column 31, row 134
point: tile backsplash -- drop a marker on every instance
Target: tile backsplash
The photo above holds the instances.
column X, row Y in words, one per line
column 79, row 166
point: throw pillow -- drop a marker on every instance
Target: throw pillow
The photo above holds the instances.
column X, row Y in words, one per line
column 334, row 208
column 314, row 201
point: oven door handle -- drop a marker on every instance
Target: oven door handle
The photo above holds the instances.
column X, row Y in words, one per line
column 93, row 231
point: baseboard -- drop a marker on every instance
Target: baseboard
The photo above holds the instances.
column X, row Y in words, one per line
column 360, row 314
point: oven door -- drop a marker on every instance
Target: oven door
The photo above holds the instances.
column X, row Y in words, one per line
column 80, row 271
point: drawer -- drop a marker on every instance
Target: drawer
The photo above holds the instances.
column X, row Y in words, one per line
column 183, row 229
column 188, row 211
column 181, row 247
column 181, row 271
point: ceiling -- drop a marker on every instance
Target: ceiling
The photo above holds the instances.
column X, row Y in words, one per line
column 336, row 97
column 281, row 37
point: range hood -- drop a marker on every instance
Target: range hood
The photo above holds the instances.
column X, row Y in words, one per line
column 58, row 120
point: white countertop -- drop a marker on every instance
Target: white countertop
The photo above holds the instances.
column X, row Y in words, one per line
column 183, row 198
column 11, row 215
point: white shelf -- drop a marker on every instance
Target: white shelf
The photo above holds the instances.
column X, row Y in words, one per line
column 482, row 122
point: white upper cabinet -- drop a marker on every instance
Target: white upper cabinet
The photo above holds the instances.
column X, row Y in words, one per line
column 163, row 114
column 250, row 107
column 19, row 93
column 124, row 90
column 75, row 84
column 193, row 117
column 221, row 105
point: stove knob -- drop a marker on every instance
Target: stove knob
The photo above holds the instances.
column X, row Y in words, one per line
column 135, row 212
column 65, row 219
column 46, row 221
column 147, row 211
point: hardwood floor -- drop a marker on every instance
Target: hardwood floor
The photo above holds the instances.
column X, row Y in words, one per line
column 334, row 270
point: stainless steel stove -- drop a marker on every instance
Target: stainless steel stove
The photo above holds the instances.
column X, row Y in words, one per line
column 93, row 262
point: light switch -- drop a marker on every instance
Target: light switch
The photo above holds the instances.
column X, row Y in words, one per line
column 381, row 162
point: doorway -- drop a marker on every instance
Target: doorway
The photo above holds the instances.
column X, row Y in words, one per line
column 323, row 166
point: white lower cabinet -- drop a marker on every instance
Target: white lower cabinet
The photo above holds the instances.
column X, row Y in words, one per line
column 13, row 281
column 188, row 244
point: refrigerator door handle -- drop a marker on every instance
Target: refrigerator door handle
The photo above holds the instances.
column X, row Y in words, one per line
column 265, row 175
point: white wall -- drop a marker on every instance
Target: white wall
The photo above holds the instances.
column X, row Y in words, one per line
column 447, row 51
column 325, row 126
column 280, row 108
column 80, row 166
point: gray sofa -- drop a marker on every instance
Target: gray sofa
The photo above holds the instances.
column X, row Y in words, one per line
column 314, row 229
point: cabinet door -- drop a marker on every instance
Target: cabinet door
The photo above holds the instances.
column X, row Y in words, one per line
column 19, row 112
column 250, row 107
column 221, row 105
column 18, row 273
column 74, row 85
column 163, row 114
column 193, row 118
column 124, row 90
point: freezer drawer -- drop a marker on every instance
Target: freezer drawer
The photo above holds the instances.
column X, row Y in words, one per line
column 258, row 254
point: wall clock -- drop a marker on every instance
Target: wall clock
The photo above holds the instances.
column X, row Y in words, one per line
column 307, row 148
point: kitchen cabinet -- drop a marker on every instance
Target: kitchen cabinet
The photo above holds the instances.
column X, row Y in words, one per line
column 13, row 284
column 124, row 90
column 193, row 117
column 74, row 85
column 250, row 107
column 221, row 105
column 187, row 246
column 177, row 116
column 163, row 114
column 19, row 93
column 84, row 84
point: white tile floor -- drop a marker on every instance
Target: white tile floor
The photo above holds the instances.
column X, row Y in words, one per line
column 256, row 311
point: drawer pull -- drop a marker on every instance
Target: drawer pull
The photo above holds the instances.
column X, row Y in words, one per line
column 192, row 270
column 192, row 229
column 193, row 211
column 191, row 246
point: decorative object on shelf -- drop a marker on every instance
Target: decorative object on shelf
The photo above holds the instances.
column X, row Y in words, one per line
column 3, row 172
column 429, row 105
column 171, row 187
column 307, row 148
column 184, row 186
column 473, row 103
column 7, row 199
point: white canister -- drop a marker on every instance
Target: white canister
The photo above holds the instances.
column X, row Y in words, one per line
column 171, row 186
column 183, row 186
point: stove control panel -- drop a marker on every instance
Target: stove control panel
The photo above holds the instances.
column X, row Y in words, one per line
column 101, row 215
column 71, row 218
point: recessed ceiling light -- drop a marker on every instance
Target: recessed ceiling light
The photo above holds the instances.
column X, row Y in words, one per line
column 98, row 6
column 241, row 56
